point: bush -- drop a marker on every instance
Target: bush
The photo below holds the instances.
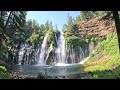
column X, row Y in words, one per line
column 43, row 76
column 2, row 69
column 2, row 73
column 73, row 40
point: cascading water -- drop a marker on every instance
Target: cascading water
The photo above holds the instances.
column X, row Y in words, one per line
column 43, row 51
column 22, row 54
column 50, row 49
column 60, row 50
column 63, row 54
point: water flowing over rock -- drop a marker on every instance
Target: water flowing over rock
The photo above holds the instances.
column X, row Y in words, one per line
column 63, row 54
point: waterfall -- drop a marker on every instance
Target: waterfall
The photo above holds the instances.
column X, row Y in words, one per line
column 91, row 47
column 43, row 51
column 36, row 54
column 49, row 50
column 21, row 53
column 60, row 53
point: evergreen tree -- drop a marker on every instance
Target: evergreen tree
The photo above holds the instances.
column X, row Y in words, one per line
column 47, row 26
column 11, row 32
column 70, row 23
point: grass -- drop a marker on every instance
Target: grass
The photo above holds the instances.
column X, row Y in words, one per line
column 105, row 62
column 3, row 75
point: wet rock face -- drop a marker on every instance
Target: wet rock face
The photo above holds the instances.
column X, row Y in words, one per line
column 96, row 27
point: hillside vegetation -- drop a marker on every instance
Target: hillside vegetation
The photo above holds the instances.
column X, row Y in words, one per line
column 104, row 63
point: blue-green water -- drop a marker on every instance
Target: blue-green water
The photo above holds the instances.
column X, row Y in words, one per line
column 69, row 71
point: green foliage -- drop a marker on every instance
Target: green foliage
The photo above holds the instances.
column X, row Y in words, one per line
column 43, row 76
column 107, row 69
column 11, row 32
column 50, row 37
column 108, row 46
column 2, row 69
column 78, row 18
column 73, row 40
column 4, row 76
column 34, row 39
column 105, row 62
column 70, row 23
column 86, row 15
column 95, row 68
column 103, row 75
column 70, row 32
column 2, row 73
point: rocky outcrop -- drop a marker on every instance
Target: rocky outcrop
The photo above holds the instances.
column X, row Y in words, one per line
column 96, row 27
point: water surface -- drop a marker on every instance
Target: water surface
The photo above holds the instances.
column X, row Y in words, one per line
column 66, row 71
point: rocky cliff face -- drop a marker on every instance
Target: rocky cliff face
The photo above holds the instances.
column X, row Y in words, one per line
column 97, row 27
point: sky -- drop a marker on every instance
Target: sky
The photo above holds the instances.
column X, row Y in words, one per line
column 57, row 17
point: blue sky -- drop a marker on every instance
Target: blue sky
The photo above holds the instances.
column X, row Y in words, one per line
column 57, row 17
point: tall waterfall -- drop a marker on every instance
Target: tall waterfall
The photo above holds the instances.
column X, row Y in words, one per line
column 60, row 53
column 43, row 51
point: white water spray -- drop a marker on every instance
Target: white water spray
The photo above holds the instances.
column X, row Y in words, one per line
column 60, row 50
column 43, row 51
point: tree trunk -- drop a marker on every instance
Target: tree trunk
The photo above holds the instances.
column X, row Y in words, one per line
column 117, row 24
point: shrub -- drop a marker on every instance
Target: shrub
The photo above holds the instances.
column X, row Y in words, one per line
column 43, row 76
